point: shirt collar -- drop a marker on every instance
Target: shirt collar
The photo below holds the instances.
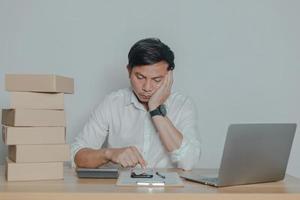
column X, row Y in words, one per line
column 132, row 99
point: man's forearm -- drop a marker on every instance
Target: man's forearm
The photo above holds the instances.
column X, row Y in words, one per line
column 126, row 156
column 91, row 158
column 169, row 135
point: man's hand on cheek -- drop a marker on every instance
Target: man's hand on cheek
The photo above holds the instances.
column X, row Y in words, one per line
column 163, row 92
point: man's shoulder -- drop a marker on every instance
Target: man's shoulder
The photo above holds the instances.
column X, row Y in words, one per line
column 119, row 95
column 178, row 100
column 178, row 97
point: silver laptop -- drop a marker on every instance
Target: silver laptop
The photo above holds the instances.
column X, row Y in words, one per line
column 253, row 153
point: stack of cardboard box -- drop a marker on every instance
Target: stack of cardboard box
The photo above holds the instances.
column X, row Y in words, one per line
column 34, row 127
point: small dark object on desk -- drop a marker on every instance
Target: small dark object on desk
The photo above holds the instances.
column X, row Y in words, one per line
column 142, row 175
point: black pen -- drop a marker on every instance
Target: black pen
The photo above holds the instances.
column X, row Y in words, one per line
column 161, row 176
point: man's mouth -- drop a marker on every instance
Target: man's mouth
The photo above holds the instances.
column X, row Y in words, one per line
column 145, row 97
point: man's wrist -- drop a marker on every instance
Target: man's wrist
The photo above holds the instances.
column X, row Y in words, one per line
column 159, row 110
column 107, row 154
column 152, row 107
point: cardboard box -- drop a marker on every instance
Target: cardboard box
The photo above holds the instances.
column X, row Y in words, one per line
column 39, row 153
column 33, row 135
column 33, row 171
column 37, row 100
column 38, row 83
column 33, row 117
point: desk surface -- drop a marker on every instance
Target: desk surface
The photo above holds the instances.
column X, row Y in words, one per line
column 74, row 188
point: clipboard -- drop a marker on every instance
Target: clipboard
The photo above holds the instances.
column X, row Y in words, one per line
column 158, row 179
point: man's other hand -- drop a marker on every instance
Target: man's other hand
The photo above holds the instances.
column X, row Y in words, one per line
column 126, row 157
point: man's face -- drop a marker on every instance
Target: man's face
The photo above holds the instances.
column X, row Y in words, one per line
column 146, row 79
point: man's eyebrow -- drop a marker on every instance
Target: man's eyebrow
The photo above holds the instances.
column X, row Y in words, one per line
column 157, row 77
column 137, row 73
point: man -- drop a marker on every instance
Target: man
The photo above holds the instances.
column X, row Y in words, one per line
column 146, row 125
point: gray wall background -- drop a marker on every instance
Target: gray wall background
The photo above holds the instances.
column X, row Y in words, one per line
column 238, row 60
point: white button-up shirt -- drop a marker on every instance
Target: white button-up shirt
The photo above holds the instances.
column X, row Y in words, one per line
column 123, row 121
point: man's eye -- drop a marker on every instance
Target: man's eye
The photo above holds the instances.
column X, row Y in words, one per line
column 139, row 77
column 157, row 80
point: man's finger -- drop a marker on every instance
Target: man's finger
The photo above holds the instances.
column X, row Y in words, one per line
column 124, row 163
column 129, row 160
column 140, row 158
column 170, row 81
column 165, row 82
column 172, row 78
column 133, row 159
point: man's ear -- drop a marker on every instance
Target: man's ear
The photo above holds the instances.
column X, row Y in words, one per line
column 129, row 69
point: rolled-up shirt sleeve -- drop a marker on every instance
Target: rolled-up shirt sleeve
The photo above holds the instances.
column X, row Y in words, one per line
column 94, row 131
column 188, row 154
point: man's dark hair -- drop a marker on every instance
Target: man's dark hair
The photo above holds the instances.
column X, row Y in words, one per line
column 150, row 51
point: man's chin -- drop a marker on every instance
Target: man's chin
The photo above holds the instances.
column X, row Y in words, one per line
column 143, row 100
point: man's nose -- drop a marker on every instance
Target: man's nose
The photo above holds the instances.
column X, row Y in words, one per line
column 147, row 86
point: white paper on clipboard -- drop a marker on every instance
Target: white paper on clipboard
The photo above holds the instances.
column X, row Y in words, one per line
column 171, row 179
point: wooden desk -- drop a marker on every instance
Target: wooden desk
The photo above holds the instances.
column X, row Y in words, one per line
column 73, row 188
